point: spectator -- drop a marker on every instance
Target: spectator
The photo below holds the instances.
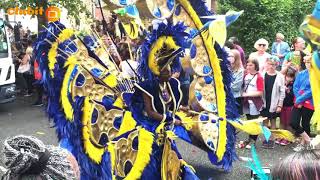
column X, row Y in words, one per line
column 298, row 166
column 252, row 95
column 20, row 81
column 27, row 157
column 24, row 69
column 273, row 96
column 38, row 85
column 237, row 74
column 294, row 59
column 16, row 31
column 236, row 45
column 28, row 33
column 128, row 66
column 303, row 106
column 261, row 55
column 280, row 48
column 185, row 81
column 285, row 115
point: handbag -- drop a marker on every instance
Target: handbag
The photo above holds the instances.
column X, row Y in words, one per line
column 246, row 87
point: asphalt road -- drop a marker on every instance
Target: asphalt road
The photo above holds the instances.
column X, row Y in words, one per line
column 20, row 117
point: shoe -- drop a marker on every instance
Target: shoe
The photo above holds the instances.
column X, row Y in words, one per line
column 248, row 146
column 299, row 147
column 27, row 95
column 284, row 142
column 38, row 104
column 278, row 141
column 271, row 144
column 265, row 144
column 244, row 144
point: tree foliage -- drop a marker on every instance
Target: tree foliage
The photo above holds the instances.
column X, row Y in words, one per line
column 264, row 18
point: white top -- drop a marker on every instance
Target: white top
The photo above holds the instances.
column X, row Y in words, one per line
column 262, row 60
column 127, row 72
column 252, row 87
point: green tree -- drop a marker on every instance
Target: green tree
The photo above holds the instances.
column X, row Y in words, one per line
column 264, row 18
column 74, row 7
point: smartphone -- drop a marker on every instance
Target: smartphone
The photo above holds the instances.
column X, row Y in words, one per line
column 266, row 170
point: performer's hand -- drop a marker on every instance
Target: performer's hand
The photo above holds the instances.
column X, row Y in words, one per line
column 177, row 122
column 299, row 106
column 184, row 108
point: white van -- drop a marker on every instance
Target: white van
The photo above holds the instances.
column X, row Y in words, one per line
column 7, row 70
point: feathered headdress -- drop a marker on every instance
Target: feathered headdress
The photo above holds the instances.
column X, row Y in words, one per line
column 163, row 48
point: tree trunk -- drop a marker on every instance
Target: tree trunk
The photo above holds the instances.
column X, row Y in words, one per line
column 42, row 19
column 214, row 5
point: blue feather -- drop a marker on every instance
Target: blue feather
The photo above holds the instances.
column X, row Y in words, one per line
column 255, row 165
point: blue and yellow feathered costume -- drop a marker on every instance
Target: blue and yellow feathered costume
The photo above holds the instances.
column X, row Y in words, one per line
column 100, row 116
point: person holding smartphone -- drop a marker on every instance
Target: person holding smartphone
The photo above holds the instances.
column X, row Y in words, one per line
column 294, row 59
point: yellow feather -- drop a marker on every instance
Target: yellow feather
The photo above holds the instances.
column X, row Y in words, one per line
column 218, row 79
column 94, row 153
column 282, row 134
column 143, row 157
column 65, row 35
column 66, row 104
column 315, row 87
column 52, row 54
column 253, row 128
column 128, row 123
column 70, row 61
column 152, row 61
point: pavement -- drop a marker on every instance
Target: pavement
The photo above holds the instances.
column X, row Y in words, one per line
column 20, row 117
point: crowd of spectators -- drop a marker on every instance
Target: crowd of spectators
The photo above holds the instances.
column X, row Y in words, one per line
column 273, row 85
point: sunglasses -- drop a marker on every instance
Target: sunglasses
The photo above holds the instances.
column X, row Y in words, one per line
column 262, row 45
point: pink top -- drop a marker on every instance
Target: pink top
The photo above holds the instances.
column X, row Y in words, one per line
column 262, row 58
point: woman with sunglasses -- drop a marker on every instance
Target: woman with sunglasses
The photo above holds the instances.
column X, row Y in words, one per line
column 261, row 55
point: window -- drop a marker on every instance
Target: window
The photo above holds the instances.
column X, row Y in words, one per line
column 3, row 41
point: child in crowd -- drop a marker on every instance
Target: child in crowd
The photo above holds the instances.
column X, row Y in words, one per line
column 237, row 74
column 303, row 106
column 273, row 96
column 288, row 102
column 252, row 95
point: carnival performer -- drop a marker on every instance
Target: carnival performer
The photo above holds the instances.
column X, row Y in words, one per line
column 163, row 95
